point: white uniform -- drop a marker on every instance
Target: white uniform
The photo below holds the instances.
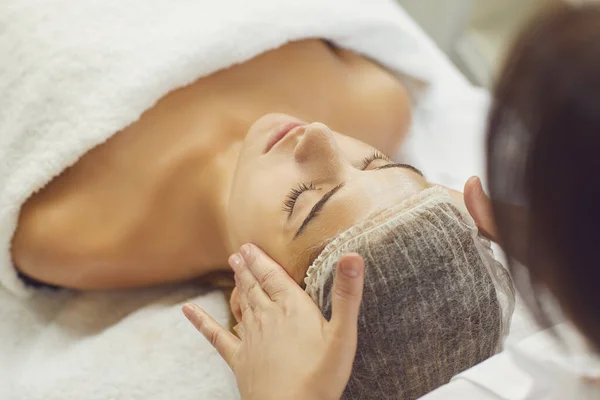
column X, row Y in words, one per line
column 540, row 367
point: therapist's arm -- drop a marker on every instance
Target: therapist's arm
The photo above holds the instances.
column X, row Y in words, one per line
column 288, row 350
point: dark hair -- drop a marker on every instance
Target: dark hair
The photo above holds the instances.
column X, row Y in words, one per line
column 544, row 163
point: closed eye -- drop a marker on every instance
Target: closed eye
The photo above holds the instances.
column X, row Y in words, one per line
column 376, row 155
column 321, row 203
column 292, row 197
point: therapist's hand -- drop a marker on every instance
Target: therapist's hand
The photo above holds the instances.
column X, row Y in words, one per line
column 479, row 206
column 288, row 350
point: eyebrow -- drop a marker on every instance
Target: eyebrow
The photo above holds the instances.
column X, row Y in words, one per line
column 405, row 166
column 317, row 207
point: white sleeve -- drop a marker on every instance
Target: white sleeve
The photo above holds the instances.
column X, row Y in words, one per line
column 460, row 390
column 536, row 368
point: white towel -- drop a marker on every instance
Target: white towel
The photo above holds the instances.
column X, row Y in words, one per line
column 130, row 345
column 74, row 72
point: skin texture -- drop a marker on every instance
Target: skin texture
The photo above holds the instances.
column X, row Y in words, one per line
column 171, row 196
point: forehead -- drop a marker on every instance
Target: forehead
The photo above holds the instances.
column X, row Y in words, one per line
column 361, row 196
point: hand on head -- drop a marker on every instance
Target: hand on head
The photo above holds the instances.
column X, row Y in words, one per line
column 479, row 207
column 288, row 349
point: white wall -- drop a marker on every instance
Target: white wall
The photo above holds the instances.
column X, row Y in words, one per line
column 443, row 20
column 475, row 34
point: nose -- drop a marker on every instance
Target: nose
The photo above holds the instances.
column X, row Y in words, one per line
column 318, row 149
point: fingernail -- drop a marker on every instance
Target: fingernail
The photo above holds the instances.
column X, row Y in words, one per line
column 351, row 269
column 245, row 249
column 188, row 310
column 235, row 261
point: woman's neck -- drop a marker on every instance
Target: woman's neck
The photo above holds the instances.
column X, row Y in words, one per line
column 217, row 179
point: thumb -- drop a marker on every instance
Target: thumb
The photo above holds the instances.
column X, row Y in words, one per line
column 479, row 206
column 347, row 295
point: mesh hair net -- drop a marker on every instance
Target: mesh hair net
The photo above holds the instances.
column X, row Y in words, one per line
column 435, row 300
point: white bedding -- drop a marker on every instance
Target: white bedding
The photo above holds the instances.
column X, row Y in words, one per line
column 136, row 344
column 130, row 345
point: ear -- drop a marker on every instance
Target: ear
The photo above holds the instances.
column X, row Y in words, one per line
column 234, row 304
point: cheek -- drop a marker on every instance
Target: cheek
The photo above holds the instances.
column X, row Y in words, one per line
column 293, row 257
column 255, row 217
column 236, row 212
column 297, row 273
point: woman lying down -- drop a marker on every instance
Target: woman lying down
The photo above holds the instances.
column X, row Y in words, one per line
column 211, row 166
column 436, row 302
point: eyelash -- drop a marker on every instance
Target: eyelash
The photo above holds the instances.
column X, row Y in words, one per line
column 292, row 197
column 376, row 155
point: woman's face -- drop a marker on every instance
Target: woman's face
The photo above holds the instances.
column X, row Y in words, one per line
column 297, row 185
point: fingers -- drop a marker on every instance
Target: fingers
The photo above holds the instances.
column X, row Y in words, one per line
column 479, row 206
column 239, row 329
column 235, row 305
column 221, row 339
column 250, row 291
column 347, row 295
column 271, row 276
column 242, row 298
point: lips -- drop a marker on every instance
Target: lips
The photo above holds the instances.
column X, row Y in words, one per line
column 281, row 133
